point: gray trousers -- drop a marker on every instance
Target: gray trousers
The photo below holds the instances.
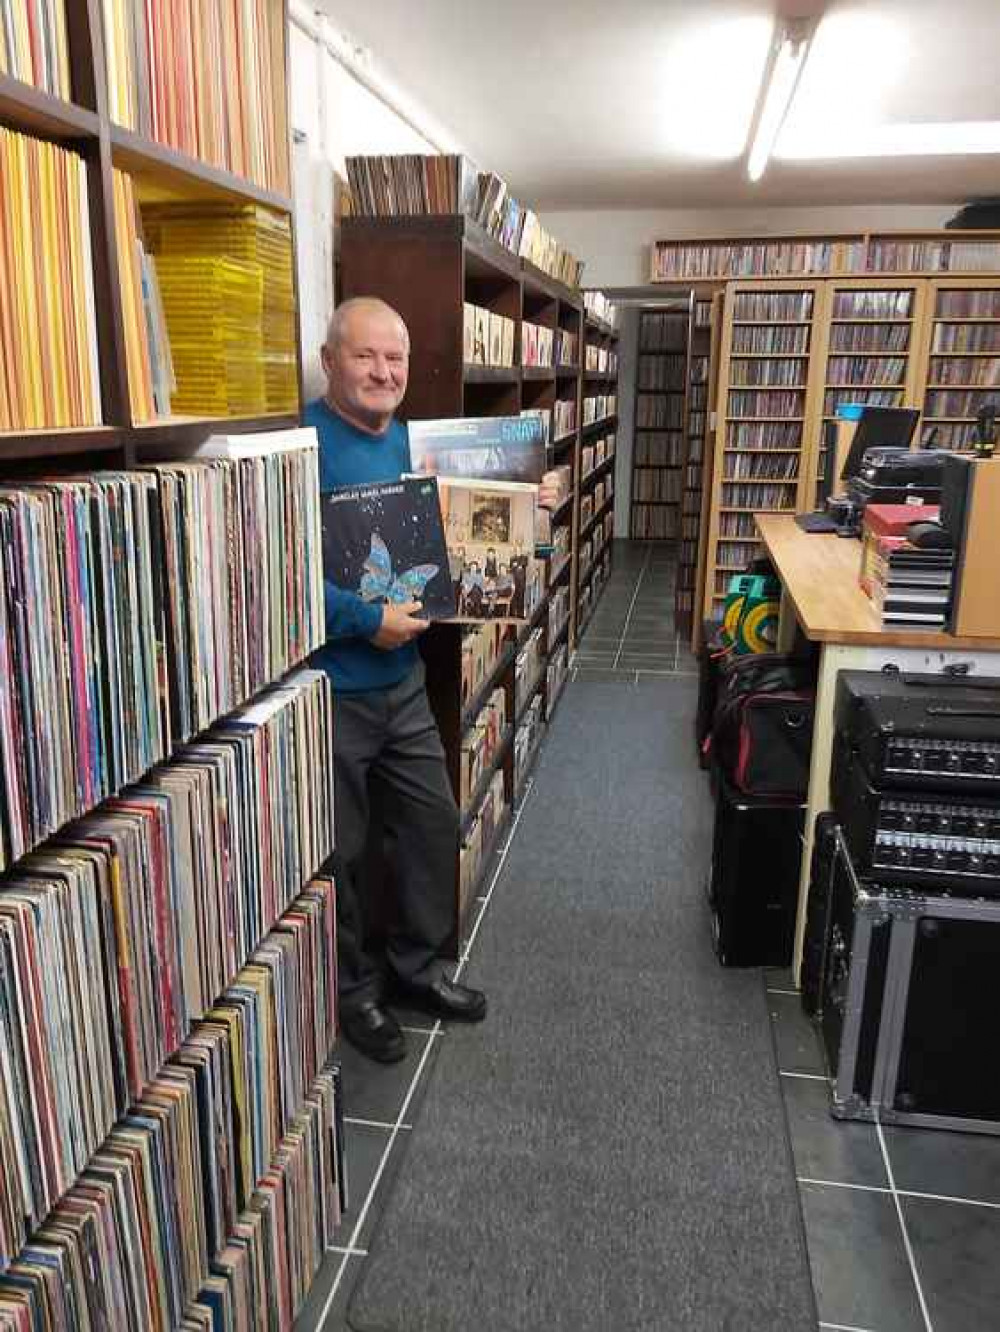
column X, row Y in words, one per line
column 389, row 762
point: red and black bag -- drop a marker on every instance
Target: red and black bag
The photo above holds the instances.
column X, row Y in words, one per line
column 762, row 729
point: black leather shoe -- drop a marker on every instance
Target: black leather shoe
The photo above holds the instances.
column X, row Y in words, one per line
column 444, row 999
column 374, row 1032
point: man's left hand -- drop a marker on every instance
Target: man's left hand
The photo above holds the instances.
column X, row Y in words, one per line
column 549, row 496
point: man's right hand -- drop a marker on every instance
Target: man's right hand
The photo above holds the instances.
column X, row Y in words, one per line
column 399, row 626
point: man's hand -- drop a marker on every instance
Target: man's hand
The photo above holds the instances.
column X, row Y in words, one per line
column 399, row 626
column 548, row 492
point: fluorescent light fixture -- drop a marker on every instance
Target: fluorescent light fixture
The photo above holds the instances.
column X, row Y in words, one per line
column 711, row 79
column 943, row 139
column 778, row 93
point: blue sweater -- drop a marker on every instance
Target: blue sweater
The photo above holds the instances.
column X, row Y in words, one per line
column 349, row 457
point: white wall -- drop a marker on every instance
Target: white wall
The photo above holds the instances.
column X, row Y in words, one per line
column 615, row 244
column 334, row 115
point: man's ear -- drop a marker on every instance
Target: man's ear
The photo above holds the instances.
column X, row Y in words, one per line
column 326, row 358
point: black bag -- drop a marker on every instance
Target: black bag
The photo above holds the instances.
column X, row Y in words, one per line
column 762, row 730
column 711, row 657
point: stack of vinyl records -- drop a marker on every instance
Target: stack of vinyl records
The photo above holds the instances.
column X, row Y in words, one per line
column 910, row 585
column 244, row 250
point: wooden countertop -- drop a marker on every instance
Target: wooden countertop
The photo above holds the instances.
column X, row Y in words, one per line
column 819, row 572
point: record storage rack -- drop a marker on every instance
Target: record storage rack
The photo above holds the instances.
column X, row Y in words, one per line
column 82, row 125
column 428, row 268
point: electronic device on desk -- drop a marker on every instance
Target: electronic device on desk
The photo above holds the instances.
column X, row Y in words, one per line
column 887, row 431
column 923, row 732
column 903, row 987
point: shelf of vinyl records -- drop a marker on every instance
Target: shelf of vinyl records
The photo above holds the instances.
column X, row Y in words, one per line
column 140, row 756
column 792, row 354
column 898, row 255
column 660, row 397
column 172, row 252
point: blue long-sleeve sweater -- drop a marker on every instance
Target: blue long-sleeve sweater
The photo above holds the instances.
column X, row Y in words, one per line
column 349, row 457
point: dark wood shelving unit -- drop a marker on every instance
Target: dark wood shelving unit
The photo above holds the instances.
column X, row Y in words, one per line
column 427, row 268
column 659, row 425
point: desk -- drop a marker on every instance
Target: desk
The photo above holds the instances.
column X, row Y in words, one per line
column 821, row 596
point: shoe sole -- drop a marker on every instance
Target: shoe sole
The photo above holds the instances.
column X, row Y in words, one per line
column 406, row 1001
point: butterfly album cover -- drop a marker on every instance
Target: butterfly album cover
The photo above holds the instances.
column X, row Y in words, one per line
column 386, row 542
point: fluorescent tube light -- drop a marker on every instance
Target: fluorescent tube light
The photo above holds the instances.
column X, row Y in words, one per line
column 942, row 139
column 778, row 93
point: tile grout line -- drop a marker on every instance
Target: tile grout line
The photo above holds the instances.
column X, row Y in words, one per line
column 911, row 1257
column 631, row 608
column 843, row 1327
column 373, row 1123
column 352, row 1242
column 399, row 1124
column 808, row 1077
column 903, row 1193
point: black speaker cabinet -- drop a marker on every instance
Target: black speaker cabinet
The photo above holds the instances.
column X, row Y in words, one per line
column 909, row 988
column 754, row 878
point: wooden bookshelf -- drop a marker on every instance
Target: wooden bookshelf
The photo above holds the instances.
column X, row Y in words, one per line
column 83, row 127
column 874, row 333
column 932, row 344
column 901, row 254
column 962, row 359
column 772, row 339
column 659, row 423
column 599, row 439
column 696, row 431
column 427, row 268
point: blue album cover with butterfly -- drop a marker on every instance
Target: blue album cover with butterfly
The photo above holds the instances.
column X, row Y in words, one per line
column 386, row 542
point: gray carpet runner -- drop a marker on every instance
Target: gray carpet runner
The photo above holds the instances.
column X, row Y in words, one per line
column 607, row 1152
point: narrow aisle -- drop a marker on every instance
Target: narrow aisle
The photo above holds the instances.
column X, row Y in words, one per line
column 608, row 1150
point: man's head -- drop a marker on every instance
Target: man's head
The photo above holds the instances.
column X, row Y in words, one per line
column 366, row 359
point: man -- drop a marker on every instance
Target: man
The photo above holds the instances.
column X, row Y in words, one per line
column 386, row 743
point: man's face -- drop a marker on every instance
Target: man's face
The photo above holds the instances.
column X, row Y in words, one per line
column 368, row 368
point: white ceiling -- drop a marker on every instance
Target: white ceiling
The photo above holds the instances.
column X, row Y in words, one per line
column 573, row 102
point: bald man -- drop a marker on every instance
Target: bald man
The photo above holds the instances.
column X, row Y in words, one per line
column 386, row 744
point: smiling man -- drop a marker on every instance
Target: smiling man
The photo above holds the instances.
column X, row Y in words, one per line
column 387, row 751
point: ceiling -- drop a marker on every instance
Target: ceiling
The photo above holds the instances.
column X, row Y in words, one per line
column 594, row 104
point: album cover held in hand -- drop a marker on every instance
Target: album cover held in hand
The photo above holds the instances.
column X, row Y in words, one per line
column 386, row 543
column 490, row 530
column 500, row 448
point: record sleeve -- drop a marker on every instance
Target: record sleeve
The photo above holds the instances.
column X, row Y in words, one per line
column 386, row 543
column 496, row 448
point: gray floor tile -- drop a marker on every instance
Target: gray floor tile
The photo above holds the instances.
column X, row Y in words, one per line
column 954, row 1165
column 795, row 1036
column 825, row 1148
column 311, row 1317
column 364, row 1149
column 779, row 978
column 955, row 1249
column 597, row 675
column 859, row 1264
column 377, row 1091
